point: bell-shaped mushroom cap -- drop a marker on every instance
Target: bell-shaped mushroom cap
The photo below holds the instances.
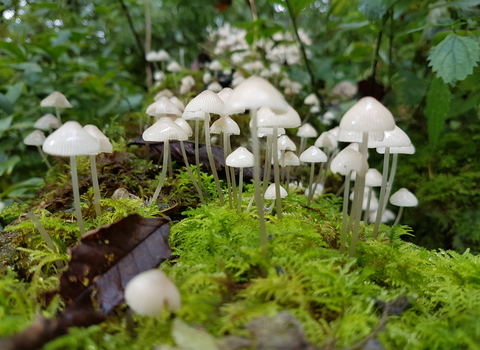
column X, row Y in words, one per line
column 225, row 93
column 373, row 178
column 266, row 118
column 70, row 140
column 237, row 81
column 179, row 104
column 184, row 125
column 55, row 99
column 284, row 143
column 103, row 141
column 311, row 99
column 307, row 130
column 164, row 92
column 240, row 158
column 193, row 115
column 398, row 150
column 150, row 292
column 207, row 102
column 262, row 132
column 392, row 138
column 207, row 77
column 215, row 86
column 188, row 80
column 215, row 65
column 316, row 109
column 270, row 193
column 289, row 159
column 47, row 122
column 225, row 125
column 35, row 138
column 313, row 155
column 163, row 55
column 404, row 198
column 164, row 129
column 373, row 200
column 254, row 93
column 367, row 115
column 162, row 108
column 174, row 67
column 349, row 160
column 326, row 140
column 152, row 56
column 334, row 132
column 387, row 216
column 184, row 89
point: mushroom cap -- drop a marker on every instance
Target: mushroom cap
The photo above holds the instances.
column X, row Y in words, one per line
column 215, row 86
column 149, row 292
column 392, row 138
column 35, row 138
column 56, row 99
column 184, row 125
column 70, row 140
column 373, row 178
column 349, row 160
column 398, row 150
column 188, row 80
column 270, row 193
column 162, row 108
column 240, row 158
column 284, row 143
column 387, row 216
column 357, row 136
column 215, row 65
column 326, row 140
column 103, row 141
column 289, row 159
column 207, row 77
column 207, row 102
column 373, row 200
column 403, row 198
column 267, row 118
column 152, row 56
column 225, row 125
column 164, row 92
column 254, row 93
column 174, row 67
column 307, row 130
column 334, row 132
column 367, row 115
column 311, row 100
column 262, row 132
column 313, row 155
column 47, row 122
column 193, row 115
column 163, row 55
column 178, row 103
column 315, row 109
column 164, row 129
column 184, row 89
column 225, row 93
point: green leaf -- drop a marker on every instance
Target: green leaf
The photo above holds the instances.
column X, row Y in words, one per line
column 27, row 66
column 12, row 49
column 5, row 123
column 461, row 3
column 454, row 58
column 374, row 10
column 5, row 104
column 14, row 91
column 23, row 186
column 7, row 166
column 437, row 109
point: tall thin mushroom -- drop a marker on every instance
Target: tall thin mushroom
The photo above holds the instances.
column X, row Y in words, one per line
column 37, row 138
column 312, row 155
column 240, row 158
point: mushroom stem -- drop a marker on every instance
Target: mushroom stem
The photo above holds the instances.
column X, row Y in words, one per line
column 166, row 154
column 287, row 180
column 232, row 172
column 185, row 159
column 367, row 209
column 382, row 198
column 96, row 187
column 303, row 142
column 276, row 174
column 197, row 155
column 267, row 167
column 240, row 185
column 311, row 186
column 399, row 215
column 76, row 194
column 256, row 182
column 346, row 192
column 391, row 178
column 57, row 112
column 227, row 171
column 44, row 157
column 210, row 158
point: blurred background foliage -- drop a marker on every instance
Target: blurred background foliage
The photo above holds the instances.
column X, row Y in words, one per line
column 93, row 52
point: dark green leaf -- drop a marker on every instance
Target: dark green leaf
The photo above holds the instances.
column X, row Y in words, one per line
column 460, row 3
column 27, row 66
column 437, row 109
column 5, row 104
column 14, row 92
column 7, row 166
column 12, row 49
column 374, row 10
column 454, row 58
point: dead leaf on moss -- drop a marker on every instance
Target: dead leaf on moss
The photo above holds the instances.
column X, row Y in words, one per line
column 100, row 267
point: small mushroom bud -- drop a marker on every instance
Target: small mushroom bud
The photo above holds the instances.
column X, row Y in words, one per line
column 149, row 292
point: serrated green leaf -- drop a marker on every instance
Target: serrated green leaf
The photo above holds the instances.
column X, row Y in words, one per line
column 374, row 10
column 454, row 58
column 437, row 109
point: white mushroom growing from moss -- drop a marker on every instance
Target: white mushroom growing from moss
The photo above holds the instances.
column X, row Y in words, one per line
column 58, row 100
column 174, row 68
column 37, row 138
column 105, row 147
column 403, row 198
column 71, row 140
column 270, row 194
column 240, row 158
column 312, row 155
column 288, row 160
column 48, row 122
column 304, row 132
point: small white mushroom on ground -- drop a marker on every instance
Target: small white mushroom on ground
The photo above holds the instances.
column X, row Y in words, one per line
column 37, row 138
column 58, row 100
column 403, row 198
